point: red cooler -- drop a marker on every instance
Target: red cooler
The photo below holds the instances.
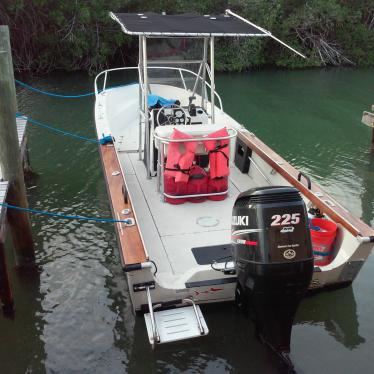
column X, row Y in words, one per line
column 323, row 233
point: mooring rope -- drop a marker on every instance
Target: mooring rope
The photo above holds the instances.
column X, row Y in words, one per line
column 61, row 96
column 104, row 140
column 66, row 216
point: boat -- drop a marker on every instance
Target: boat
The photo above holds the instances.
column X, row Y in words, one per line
column 206, row 211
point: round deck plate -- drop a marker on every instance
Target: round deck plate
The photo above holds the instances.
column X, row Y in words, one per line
column 207, row 221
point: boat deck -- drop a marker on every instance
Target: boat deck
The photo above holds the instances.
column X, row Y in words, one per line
column 169, row 232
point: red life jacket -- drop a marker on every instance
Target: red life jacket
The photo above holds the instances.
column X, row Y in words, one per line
column 219, row 151
column 180, row 157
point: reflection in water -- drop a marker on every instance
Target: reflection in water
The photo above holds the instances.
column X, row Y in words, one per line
column 21, row 344
column 336, row 310
column 230, row 346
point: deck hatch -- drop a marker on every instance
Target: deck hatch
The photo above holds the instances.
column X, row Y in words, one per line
column 212, row 253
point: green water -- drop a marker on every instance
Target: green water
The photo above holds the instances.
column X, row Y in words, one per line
column 75, row 315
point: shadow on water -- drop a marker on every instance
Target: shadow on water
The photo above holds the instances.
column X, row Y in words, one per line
column 336, row 311
column 231, row 346
column 22, row 346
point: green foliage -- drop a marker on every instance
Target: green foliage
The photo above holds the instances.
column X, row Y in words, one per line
column 72, row 34
column 69, row 34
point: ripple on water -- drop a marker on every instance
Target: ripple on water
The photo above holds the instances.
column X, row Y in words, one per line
column 77, row 318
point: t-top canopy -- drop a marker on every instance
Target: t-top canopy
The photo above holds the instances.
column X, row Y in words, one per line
column 153, row 24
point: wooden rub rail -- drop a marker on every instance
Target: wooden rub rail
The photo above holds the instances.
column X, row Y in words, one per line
column 315, row 194
column 131, row 246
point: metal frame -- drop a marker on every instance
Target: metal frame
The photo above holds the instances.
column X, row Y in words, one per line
column 147, row 149
column 212, row 81
column 201, row 328
column 143, row 78
column 203, row 89
column 156, row 336
column 228, row 12
column 266, row 32
column 155, row 333
column 161, row 157
column 181, row 62
column 141, row 115
column 143, row 67
column 207, row 84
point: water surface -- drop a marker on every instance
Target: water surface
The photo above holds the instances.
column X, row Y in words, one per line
column 75, row 316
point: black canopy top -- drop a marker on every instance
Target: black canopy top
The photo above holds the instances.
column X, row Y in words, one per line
column 184, row 25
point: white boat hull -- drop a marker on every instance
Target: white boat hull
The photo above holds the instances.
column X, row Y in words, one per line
column 169, row 232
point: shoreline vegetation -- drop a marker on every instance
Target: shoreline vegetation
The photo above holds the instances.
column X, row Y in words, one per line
column 70, row 35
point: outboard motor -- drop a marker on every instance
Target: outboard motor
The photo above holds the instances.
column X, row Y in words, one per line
column 273, row 258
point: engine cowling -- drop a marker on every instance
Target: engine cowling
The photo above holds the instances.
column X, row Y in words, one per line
column 273, row 258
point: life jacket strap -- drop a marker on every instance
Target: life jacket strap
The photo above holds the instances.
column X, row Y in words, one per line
column 178, row 168
column 218, row 149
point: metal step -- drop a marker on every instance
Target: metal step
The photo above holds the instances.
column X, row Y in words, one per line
column 176, row 324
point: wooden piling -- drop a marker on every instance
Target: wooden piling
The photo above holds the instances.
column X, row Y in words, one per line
column 10, row 158
column 6, row 296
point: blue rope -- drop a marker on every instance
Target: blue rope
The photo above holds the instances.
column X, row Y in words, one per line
column 64, row 216
column 104, row 140
column 25, row 85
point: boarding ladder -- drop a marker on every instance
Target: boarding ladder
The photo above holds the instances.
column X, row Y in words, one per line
column 172, row 325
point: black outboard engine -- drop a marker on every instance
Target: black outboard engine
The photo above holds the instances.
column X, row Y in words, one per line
column 274, row 259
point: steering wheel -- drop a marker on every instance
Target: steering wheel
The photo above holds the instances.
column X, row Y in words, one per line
column 178, row 116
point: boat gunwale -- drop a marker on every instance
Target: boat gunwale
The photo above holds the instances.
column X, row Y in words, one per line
column 131, row 246
column 338, row 213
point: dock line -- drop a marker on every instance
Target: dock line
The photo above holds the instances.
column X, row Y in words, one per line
column 104, row 140
column 128, row 221
column 61, row 96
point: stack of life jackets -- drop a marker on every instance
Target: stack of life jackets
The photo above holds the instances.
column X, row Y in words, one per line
column 219, row 153
column 178, row 165
column 183, row 177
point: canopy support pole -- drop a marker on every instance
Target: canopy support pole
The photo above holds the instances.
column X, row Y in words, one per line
column 140, row 98
column 203, row 85
column 268, row 33
column 212, row 80
column 145, row 108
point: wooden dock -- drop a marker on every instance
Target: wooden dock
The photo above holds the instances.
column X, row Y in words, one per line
column 22, row 141
column 368, row 120
column 6, row 294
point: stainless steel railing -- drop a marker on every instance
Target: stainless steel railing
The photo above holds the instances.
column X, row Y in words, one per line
column 105, row 73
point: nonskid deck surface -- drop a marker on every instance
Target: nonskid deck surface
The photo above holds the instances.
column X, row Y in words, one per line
column 170, row 231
